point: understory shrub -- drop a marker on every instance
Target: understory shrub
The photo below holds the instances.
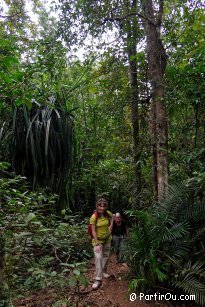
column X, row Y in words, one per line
column 166, row 247
column 39, row 245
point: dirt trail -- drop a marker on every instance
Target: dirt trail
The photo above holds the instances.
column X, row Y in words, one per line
column 113, row 291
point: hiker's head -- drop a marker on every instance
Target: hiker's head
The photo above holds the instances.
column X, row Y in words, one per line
column 117, row 217
column 101, row 205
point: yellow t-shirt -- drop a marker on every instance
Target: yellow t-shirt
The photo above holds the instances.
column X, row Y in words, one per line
column 101, row 227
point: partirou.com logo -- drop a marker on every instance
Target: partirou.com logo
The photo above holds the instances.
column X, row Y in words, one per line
column 160, row 297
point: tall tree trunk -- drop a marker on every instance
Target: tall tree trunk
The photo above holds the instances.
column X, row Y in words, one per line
column 156, row 56
column 134, row 100
column 135, row 123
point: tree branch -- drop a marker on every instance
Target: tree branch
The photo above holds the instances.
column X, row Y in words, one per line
column 10, row 16
column 56, row 256
column 160, row 13
column 128, row 15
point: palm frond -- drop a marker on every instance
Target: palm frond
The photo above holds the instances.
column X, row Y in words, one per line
column 196, row 212
column 193, row 287
column 198, row 268
column 175, row 232
column 191, row 280
column 180, row 249
column 176, row 201
column 161, row 275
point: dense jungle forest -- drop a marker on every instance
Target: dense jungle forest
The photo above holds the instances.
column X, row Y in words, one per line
column 101, row 98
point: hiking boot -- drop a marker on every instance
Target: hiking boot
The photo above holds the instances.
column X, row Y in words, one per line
column 96, row 284
column 106, row 275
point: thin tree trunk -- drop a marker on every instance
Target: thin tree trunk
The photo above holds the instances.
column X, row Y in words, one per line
column 134, row 99
column 129, row 28
column 153, row 137
column 157, row 63
column 135, row 124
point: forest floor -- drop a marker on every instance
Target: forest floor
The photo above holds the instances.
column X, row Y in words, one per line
column 113, row 292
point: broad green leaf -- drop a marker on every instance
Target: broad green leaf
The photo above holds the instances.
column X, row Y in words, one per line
column 20, row 101
column 76, row 272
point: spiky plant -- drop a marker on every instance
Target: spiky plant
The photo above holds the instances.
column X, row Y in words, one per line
column 168, row 243
column 42, row 146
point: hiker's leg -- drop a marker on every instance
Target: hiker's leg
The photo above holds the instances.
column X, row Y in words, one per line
column 123, row 244
column 122, row 248
column 116, row 241
column 105, row 255
column 98, row 262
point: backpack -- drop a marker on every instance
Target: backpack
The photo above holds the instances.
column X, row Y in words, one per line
column 90, row 225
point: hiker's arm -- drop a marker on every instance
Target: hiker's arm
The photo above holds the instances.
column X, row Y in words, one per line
column 111, row 223
column 94, row 234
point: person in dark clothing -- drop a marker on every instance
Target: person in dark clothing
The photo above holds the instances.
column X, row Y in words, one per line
column 119, row 233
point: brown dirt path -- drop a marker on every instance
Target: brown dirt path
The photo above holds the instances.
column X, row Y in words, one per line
column 113, row 291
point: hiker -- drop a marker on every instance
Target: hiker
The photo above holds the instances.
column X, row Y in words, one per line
column 101, row 223
column 119, row 235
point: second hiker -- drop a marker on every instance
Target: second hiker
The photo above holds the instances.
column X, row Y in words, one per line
column 120, row 234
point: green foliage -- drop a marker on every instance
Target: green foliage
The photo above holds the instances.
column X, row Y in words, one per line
column 43, row 146
column 40, row 126
column 66, row 125
column 103, row 161
column 185, row 91
column 167, row 246
column 38, row 244
column 41, row 254
column 5, row 297
column 191, row 279
column 13, row 76
column 78, row 278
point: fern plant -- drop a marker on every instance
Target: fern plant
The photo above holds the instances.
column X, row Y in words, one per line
column 167, row 245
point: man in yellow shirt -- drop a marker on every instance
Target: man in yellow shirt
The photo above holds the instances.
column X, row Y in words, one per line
column 101, row 222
